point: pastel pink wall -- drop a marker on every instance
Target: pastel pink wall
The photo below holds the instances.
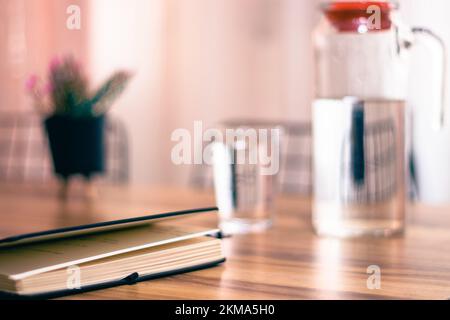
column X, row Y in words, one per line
column 193, row 60
column 31, row 32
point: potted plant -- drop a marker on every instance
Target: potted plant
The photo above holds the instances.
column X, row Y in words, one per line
column 74, row 117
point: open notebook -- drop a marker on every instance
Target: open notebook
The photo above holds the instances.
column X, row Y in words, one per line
column 52, row 263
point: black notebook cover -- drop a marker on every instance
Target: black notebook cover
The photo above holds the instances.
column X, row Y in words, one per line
column 96, row 227
column 100, row 227
column 130, row 280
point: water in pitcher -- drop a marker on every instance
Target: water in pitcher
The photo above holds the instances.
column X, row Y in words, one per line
column 359, row 157
column 362, row 60
column 358, row 120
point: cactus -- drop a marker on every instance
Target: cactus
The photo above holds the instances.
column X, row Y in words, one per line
column 67, row 92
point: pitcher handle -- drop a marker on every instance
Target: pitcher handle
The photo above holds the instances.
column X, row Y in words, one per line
column 440, row 116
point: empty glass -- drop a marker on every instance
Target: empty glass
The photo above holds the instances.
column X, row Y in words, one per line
column 246, row 164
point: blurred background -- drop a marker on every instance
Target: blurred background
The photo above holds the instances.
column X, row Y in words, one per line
column 205, row 60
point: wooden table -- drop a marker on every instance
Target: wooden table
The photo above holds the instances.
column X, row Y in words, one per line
column 287, row 262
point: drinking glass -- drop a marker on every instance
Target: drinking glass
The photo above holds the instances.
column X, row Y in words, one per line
column 246, row 163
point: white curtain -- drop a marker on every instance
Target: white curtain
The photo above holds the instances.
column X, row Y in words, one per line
column 205, row 60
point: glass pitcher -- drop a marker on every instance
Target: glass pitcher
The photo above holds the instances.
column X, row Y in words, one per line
column 362, row 53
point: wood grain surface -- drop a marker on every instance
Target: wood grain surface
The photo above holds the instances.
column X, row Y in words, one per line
column 287, row 262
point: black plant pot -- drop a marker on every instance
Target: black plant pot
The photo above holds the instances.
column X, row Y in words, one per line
column 77, row 145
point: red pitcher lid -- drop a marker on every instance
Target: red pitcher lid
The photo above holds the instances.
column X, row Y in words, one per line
column 353, row 16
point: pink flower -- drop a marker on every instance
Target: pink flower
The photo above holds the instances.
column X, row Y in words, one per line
column 31, row 83
column 54, row 64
